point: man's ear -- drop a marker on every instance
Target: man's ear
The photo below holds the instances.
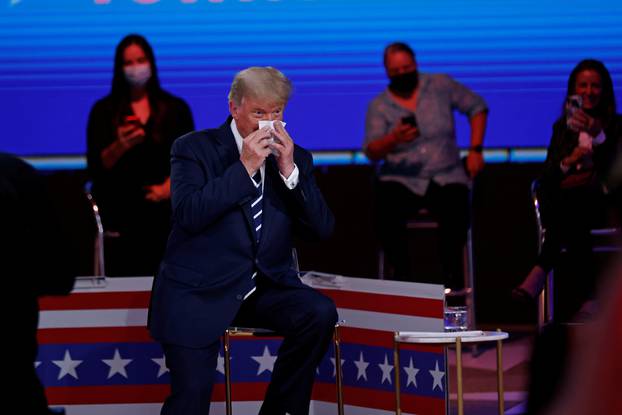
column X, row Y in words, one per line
column 233, row 109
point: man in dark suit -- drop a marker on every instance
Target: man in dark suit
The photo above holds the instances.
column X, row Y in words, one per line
column 239, row 194
column 35, row 261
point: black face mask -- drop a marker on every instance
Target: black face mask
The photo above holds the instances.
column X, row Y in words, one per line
column 404, row 83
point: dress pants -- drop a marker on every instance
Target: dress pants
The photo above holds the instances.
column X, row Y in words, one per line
column 450, row 206
column 306, row 319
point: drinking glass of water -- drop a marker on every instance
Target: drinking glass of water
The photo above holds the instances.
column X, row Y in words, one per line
column 456, row 318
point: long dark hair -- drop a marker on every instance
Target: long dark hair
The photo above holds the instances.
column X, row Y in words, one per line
column 120, row 90
column 606, row 108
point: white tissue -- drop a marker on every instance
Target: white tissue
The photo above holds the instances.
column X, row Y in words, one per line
column 263, row 123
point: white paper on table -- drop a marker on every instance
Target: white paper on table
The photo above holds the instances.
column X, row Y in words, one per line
column 421, row 334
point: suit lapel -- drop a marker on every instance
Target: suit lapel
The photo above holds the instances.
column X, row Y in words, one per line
column 227, row 149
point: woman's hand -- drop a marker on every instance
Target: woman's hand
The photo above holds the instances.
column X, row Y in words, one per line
column 580, row 121
column 158, row 192
column 130, row 134
column 576, row 156
column 474, row 163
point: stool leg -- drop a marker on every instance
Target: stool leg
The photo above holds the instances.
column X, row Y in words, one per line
column 500, row 377
column 396, row 371
column 339, row 374
column 459, row 375
column 228, row 408
column 550, row 297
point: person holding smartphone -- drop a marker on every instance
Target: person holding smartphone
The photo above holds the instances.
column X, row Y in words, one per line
column 129, row 137
column 574, row 193
column 410, row 127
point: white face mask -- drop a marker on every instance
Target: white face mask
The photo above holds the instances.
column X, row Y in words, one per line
column 138, row 75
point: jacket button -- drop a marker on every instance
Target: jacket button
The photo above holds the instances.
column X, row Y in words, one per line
column 239, row 297
column 257, row 261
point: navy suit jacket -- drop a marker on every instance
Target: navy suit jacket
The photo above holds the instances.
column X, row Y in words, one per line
column 211, row 252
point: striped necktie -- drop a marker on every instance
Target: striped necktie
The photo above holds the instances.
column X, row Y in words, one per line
column 256, row 205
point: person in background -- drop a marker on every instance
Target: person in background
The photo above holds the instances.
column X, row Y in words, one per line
column 410, row 127
column 129, row 137
column 588, row 382
column 35, row 257
column 574, row 195
column 240, row 195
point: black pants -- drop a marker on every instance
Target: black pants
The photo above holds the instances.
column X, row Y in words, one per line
column 303, row 316
column 450, row 206
column 569, row 215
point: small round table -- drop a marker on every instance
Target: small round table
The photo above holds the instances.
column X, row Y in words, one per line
column 447, row 339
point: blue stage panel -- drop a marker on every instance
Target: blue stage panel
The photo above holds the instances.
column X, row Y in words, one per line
column 56, row 59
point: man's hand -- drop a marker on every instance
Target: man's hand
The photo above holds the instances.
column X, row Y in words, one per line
column 580, row 121
column 283, row 146
column 255, row 149
column 405, row 133
column 474, row 163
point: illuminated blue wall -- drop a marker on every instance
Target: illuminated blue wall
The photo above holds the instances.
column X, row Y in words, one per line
column 56, row 59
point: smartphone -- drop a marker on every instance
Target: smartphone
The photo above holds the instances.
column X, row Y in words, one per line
column 410, row 120
column 134, row 120
column 573, row 103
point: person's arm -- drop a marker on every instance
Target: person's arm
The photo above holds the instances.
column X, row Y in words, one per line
column 127, row 136
column 475, row 158
column 561, row 155
column 183, row 122
column 474, row 107
column 105, row 143
column 198, row 198
column 98, row 136
column 379, row 148
column 379, row 140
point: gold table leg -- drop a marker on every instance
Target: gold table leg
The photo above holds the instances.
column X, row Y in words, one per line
column 396, row 372
column 500, row 377
column 459, row 375
column 338, row 370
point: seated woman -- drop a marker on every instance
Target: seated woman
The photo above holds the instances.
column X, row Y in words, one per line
column 129, row 137
column 574, row 195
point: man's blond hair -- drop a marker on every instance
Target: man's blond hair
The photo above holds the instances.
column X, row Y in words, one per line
column 260, row 82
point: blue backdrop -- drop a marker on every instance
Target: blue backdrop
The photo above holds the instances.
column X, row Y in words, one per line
column 56, row 59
